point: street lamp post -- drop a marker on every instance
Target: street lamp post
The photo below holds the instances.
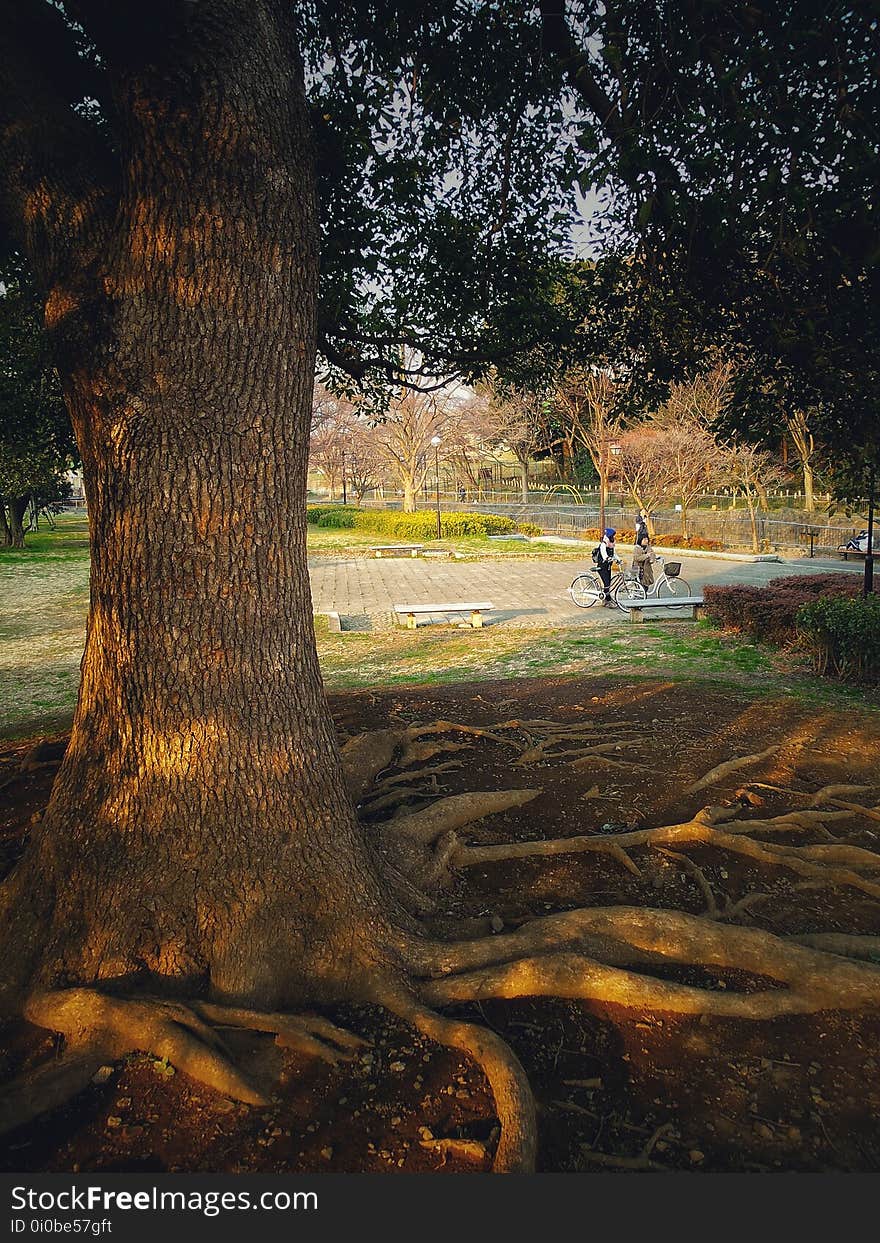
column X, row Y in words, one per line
column 344, row 497
column 613, row 447
column 435, row 441
column 868, row 587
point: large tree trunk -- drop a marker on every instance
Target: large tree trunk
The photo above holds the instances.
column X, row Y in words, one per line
column 17, row 510
column 802, row 439
column 809, row 498
column 198, row 833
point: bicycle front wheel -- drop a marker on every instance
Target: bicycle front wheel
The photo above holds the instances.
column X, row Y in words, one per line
column 586, row 590
column 628, row 589
column 670, row 587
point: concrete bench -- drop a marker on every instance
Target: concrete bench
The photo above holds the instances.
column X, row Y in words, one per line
column 411, row 611
column 685, row 606
column 396, row 550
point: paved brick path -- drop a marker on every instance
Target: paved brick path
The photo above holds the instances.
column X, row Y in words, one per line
column 526, row 593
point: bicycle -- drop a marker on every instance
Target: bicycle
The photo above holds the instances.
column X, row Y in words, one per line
column 667, row 585
column 587, row 588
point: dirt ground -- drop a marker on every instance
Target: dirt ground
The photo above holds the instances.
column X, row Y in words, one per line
column 617, row 1088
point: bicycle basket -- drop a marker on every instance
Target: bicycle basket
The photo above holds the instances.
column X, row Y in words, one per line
column 672, row 569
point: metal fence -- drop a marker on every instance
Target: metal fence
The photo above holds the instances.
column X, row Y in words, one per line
column 729, row 527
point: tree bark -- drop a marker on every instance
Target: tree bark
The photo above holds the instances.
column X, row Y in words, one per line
column 17, row 510
column 802, row 439
column 524, row 480
column 5, row 532
column 198, row 834
column 750, row 501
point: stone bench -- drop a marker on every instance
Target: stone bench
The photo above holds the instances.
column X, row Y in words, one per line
column 396, row 550
column 412, row 611
column 684, row 606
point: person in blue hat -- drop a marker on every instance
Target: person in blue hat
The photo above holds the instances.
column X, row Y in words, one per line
column 604, row 563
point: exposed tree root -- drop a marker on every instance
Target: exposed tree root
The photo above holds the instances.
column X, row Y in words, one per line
column 515, row 965
column 406, row 780
column 307, row 1033
column 514, row 1102
column 814, row 862
column 642, row 1162
column 99, row 1028
column 364, row 756
column 599, row 954
column 834, row 791
column 455, row 812
column 848, row 945
column 167, row 1029
column 421, row 752
column 720, row 771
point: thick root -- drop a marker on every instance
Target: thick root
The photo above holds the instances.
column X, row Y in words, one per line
column 307, row 1033
column 848, row 945
column 812, row 862
column 366, row 755
column 116, row 1026
column 455, row 812
column 518, row 964
column 514, row 1102
column 720, row 771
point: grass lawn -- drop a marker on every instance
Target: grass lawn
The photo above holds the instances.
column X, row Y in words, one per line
column 327, row 542
column 44, row 599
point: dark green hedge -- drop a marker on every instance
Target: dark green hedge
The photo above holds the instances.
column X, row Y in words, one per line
column 770, row 613
column 843, row 637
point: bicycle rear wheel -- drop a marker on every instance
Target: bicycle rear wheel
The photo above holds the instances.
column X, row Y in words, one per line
column 626, row 590
column 586, row 590
column 670, row 587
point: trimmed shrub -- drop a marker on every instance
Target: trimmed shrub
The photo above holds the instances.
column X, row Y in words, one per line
column 340, row 519
column 314, row 513
column 423, row 524
column 418, row 526
column 529, row 528
column 842, row 636
column 770, row 613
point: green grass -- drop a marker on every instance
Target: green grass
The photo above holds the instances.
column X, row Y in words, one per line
column 692, row 653
column 69, row 541
column 44, row 599
column 328, row 542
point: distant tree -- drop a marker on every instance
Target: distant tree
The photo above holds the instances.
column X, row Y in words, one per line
column 797, row 424
column 519, row 419
column 646, row 467
column 751, row 471
column 589, row 402
column 403, row 438
column 687, row 419
column 36, row 439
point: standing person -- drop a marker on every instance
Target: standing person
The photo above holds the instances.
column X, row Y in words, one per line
column 643, row 561
column 642, row 527
column 604, row 557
